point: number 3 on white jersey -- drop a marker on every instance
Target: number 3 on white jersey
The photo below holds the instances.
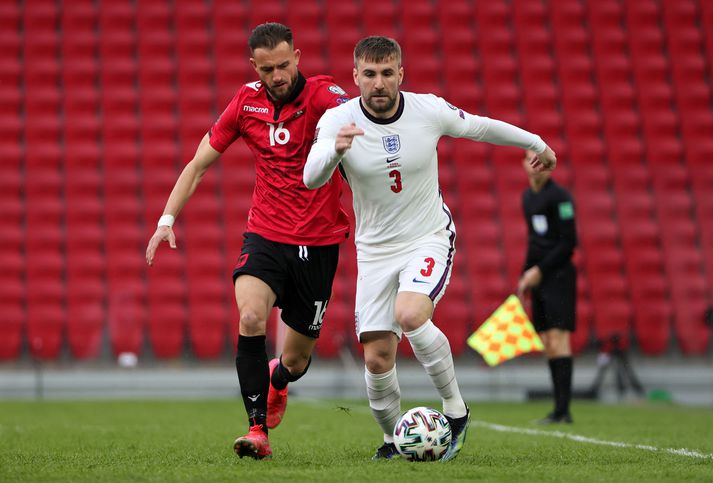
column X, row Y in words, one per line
column 279, row 135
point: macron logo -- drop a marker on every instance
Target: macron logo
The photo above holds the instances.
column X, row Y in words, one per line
column 261, row 110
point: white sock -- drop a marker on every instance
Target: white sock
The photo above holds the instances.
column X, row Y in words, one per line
column 433, row 351
column 384, row 400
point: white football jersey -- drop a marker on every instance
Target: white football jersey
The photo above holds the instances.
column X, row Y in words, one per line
column 392, row 169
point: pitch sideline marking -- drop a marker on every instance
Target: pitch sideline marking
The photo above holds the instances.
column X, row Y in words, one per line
column 585, row 439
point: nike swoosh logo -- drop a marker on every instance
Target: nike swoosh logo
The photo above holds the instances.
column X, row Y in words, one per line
column 393, row 159
column 419, row 281
column 254, row 398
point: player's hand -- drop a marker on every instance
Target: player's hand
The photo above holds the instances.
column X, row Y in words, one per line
column 545, row 161
column 345, row 136
column 163, row 233
column 530, row 279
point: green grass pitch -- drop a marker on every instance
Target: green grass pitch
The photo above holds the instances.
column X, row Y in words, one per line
column 334, row 440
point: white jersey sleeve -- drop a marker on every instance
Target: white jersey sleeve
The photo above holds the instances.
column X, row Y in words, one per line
column 323, row 158
column 458, row 123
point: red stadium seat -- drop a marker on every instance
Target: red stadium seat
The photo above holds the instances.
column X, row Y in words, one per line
column 417, row 16
column 571, row 41
column 612, row 318
column 191, row 16
column 670, row 177
column 305, row 17
column 79, row 49
column 116, row 17
column 10, row 15
column 680, row 235
column 662, row 151
column 120, row 135
column 641, row 234
column 692, row 333
column 12, row 74
column 85, row 328
column 39, row 130
column 652, row 326
column 126, row 314
column 455, row 319
column 11, row 191
column 262, row 12
column 633, row 207
column 631, row 179
column 45, row 326
column 653, row 95
column 79, row 16
column 14, row 318
column 488, row 292
column 644, row 266
column 697, row 125
column 167, row 322
column 380, row 17
column 455, row 16
column 207, row 329
column 12, row 262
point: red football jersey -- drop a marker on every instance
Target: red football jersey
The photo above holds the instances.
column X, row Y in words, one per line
column 280, row 137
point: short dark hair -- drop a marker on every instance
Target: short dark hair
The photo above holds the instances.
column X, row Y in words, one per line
column 377, row 49
column 269, row 35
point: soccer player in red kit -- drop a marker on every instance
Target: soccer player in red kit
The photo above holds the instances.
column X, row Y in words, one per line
column 291, row 246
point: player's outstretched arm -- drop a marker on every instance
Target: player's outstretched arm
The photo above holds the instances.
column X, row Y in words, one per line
column 459, row 123
column 183, row 189
column 325, row 155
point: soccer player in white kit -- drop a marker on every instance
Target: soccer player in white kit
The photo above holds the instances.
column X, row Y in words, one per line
column 385, row 141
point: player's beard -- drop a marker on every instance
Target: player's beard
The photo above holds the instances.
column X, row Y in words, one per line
column 284, row 94
column 381, row 107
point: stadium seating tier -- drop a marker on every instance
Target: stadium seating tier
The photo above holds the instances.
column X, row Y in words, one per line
column 104, row 102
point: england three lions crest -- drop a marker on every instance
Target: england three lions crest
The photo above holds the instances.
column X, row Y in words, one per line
column 392, row 143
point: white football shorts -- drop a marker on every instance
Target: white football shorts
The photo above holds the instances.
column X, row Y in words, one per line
column 424, row 267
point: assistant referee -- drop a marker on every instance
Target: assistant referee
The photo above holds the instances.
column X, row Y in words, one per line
column 552, row 278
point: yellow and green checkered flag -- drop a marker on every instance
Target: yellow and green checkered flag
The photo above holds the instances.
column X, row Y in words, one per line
column 506, row 334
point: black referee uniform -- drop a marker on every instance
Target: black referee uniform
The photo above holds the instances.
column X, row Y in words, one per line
column 552, row 237
column 551, row 240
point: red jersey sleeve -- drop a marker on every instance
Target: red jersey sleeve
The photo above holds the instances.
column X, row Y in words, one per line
column 225, row 130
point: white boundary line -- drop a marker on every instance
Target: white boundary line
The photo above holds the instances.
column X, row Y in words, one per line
column 553, row 434
column 584, row 439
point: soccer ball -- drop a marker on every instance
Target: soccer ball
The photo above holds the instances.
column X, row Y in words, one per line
column 422, row 434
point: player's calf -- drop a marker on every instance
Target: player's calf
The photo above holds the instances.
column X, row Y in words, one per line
column 276, row 399
column 280, row 377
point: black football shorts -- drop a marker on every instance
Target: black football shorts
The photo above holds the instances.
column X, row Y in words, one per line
column 554, row 301
column 301, row 277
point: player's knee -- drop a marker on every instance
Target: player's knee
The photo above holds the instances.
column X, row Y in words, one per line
column 296, row 367
column 378, row 362
column 377, row 366
column 296, row 364
column 409, row 318
column 251, row 323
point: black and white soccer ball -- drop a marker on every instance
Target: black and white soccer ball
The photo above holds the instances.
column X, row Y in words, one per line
column 422, row 434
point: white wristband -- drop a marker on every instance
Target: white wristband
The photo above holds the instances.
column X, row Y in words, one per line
column 166, row 220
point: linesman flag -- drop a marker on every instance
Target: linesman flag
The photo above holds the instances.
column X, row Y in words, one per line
column 506, row 334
